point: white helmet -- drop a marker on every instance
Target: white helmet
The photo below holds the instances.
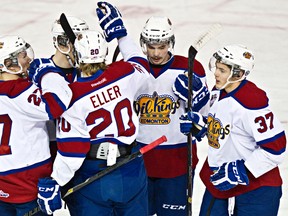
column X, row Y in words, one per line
column 77, row 25
column 237, row 57
column 10, row 48
column 157, row 30
column 59, row 36
column 91, row 47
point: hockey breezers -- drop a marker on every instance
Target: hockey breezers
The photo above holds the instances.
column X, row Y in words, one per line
column 122, row 162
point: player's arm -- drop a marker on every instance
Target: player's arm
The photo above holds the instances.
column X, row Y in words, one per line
column 111, row 22
column 56, row 92
column 270, row 138
column 73, row 144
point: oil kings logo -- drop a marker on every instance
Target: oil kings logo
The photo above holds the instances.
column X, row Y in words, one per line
column 155, row 109
column 216, row 131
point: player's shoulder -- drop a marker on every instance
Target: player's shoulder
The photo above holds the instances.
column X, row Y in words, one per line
column 251, row 96
column 13, row 88
column 121, row 66
column 182, row 61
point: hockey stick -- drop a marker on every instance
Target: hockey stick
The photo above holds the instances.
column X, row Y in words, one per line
column 122, row 162
column 72, row 37
column 115, row 54
column 67, row 28
column 33, row 211
column 192, row 52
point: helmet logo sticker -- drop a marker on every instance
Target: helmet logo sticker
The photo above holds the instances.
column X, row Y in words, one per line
column 247, row 55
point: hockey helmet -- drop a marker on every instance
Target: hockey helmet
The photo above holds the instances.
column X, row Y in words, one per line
column 157, row 30
column 91, row 47
column 13, row 49
column 59, row 36
column 237, row 57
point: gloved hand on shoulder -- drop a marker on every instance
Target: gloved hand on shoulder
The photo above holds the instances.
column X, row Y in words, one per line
column 110, row 21
column 201, row 93
column 38, row 68
column 49, row 196
column 229, row 175
column 193, row 122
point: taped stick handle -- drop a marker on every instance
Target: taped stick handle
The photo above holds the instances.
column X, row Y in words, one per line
column 152, row 145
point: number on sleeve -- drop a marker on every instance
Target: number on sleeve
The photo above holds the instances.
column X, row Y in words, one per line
column 265, row 122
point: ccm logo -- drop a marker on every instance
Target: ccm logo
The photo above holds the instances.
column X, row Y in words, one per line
column 44, row 189
column 174, row 207
column 114, row 29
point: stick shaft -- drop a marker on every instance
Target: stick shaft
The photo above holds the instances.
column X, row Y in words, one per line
column 108, row 170
column 191, row 57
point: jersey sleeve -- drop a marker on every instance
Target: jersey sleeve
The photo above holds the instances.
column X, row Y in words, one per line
column 73, row 141
column 270, row 139
column 129, row 49
column 56, row 93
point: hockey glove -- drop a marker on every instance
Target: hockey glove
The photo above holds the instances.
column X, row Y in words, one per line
column 195, row 123
column 110, row 21
column 49, row 197
column 40, row 67
column 229, row 175
column 180, row 89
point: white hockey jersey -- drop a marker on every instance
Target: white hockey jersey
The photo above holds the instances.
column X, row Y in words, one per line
column 159, row 112
column 24, row 147
column 101, row 110
column 241, row 125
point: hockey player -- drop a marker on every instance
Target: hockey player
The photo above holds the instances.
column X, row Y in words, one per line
column 160, row 105
column 101, row 117
column 54, row 74
column 246, row 141
column 24, row 146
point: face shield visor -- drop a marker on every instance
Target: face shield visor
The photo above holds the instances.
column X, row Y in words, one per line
column 236, row 73
column 19, row 61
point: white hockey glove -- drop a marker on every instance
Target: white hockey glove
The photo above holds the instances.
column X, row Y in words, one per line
column 193, row 122
column 229, row 175
column 110, row 21
column 201, row 93
column 49, row 196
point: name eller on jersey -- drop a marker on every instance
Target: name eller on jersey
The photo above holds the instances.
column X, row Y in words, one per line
column 105, row 96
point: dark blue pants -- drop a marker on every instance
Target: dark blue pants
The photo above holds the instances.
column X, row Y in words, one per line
column 123, row 192
column 168, row 196
column 20, row 209
column 263, row 201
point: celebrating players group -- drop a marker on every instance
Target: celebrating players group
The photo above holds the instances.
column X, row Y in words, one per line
column 65, row 118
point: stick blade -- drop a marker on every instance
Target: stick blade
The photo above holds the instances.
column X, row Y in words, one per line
column 67, row 28
column 211, row 33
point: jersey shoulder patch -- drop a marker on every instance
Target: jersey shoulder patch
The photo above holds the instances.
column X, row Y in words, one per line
column 250, row 96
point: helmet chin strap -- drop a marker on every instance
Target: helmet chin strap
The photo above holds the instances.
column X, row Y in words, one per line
column 231, row 82
column 70, row 61
column 66, row 53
